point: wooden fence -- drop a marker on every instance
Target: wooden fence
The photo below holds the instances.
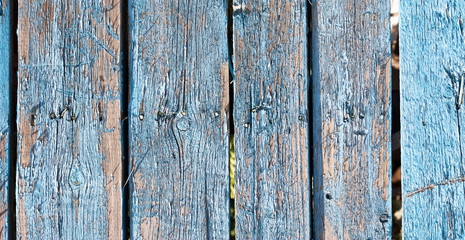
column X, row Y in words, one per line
column 116, row 119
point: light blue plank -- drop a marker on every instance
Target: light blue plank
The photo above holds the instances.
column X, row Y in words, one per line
column 69, row 133
column 4, row 114
column 271, row 118
column 432, row 60
column 352, row 119
column 179, row 138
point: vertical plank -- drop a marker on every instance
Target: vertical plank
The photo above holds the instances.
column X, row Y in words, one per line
column 178, row 120
column 4, row 114
column 271, row 116
column 432, row 63
column 352, row 119
column 69, row 147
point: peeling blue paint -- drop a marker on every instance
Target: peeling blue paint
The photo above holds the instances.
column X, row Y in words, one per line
column 432, row 62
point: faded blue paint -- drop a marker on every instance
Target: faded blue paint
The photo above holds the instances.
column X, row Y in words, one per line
column 271, row 118
column 432, row 59
column 69, row 149
column 4, row 114
column 351, row 119
column 179, row 138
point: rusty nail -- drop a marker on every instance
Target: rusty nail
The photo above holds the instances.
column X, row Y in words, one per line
column 328, row 196
column 384, row 218
column 52, row 115
column 424, row 123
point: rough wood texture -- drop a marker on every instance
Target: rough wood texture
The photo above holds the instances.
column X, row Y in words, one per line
column 352, row 114
column 69, row 148
column 4, row 114
column 432, row 50
column 271, row 120
column 178, row 120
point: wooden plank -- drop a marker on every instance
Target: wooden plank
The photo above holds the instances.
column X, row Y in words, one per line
column 178, row 120
column 432, row 113
column 69, row 148
column 352, row 119
column 271, row 115
column 4, row 114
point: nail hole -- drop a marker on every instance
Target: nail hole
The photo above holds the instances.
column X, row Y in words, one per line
column 328, row 196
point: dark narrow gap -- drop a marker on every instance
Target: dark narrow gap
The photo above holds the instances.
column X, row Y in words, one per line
column 395, row 128
column 12, row 120
column 124, row 112
column 310, row 111
column 232, row 163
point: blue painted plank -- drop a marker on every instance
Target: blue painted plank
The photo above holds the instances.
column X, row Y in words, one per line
column 432, row 62
column 271, row 118
column 179, row 139
column 4, row 114
column 352, row 119
column 69, row 128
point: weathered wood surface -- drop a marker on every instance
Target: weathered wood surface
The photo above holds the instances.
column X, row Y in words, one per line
column 271, row 116
column 352, row 114
column 179, row 174
column 69, row 149
column 432, row 50
column 4, row 114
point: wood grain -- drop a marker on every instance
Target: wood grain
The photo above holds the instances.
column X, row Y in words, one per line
column 178, row 120
column 352, row 119
column 432, row 62
column 69, row 148
column 271, row 115
column 4, row 114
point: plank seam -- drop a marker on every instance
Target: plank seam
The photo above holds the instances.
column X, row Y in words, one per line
column 125, row 92
column 12, row 120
